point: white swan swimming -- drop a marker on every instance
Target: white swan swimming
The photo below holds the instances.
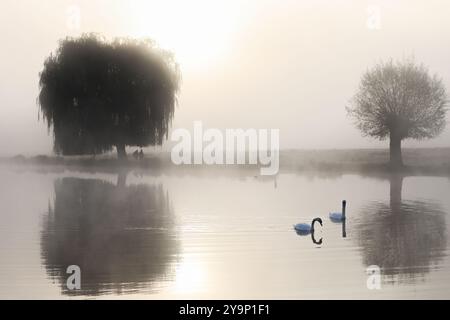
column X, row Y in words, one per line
column 339, row 216
column 306, row 228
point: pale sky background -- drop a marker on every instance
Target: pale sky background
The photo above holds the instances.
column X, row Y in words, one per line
column 291, row 65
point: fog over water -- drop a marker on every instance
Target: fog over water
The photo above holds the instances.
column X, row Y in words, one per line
column 153, row 236
column 263, row 64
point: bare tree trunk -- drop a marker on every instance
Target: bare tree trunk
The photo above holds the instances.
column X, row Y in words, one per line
column 395, row 148
column 121, row 152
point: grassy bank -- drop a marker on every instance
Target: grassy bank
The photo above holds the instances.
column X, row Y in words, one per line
column 434, row 161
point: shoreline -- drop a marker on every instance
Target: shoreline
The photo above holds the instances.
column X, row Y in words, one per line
column 370, row 162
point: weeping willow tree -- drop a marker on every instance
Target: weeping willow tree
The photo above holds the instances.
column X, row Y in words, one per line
column 97, row 95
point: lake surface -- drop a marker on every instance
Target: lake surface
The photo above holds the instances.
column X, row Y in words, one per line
column 208, row 236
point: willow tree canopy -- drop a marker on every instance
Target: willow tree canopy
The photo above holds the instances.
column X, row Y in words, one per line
column 97, row 94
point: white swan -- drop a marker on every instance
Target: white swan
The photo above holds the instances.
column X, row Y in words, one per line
column 305, row 228
column 339, row 216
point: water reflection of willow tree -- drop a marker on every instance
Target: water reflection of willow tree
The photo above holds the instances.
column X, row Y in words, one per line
column 404, row 238
column 122, row 237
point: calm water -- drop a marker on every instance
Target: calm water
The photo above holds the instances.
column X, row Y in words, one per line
column 227, row 236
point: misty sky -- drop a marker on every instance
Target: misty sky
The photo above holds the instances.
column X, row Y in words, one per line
column 291, row 65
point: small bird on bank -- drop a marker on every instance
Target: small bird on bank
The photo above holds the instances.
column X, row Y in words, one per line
column 305, row 228
column 339, row 216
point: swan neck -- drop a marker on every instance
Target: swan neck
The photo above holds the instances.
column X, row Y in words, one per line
column 343, row 209
column 314, row 221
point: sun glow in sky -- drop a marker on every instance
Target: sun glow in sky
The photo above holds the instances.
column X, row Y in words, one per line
column 291, row 65
column 199, row 32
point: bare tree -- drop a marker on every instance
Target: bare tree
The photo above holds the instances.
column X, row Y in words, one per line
column 399, row 100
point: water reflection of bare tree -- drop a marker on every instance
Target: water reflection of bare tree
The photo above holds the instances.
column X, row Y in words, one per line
column 122, row 237
column 404, row 238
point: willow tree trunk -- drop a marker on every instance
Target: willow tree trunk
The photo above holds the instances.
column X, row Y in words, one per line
column 121, row 152
column 395, row 151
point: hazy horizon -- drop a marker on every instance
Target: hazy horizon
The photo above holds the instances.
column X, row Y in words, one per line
column 262, row 64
